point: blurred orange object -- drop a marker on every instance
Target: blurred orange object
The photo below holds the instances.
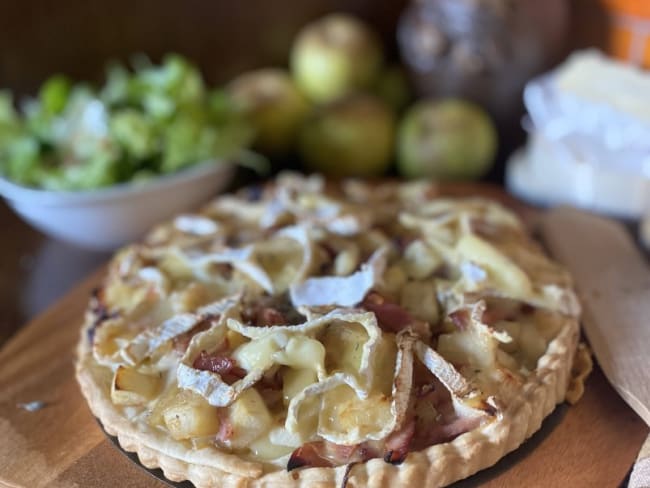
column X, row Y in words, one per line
column 630, row 30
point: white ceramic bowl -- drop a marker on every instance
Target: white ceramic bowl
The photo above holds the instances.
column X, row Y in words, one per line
column 107, row 218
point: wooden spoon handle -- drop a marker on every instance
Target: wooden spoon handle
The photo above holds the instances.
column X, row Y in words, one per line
column 613, row 281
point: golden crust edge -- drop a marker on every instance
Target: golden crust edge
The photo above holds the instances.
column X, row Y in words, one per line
column 437, row 465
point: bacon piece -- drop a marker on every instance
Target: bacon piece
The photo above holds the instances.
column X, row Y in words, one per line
column 448, row 424
column 495, row 313
column 270, row 316
column 224, row 366
column 460, row 318
column 329, row 250
column 272, row 380
column 422, row 391
column 338, row 452
column 483, row 228
column 398, row 443
column 324, row 454
column 527, row 309
column 436, row 395
column 367, row 450
column 310, row 455
column 267, row 311
column 181, row 342
column 447, row 432
column 391, row 317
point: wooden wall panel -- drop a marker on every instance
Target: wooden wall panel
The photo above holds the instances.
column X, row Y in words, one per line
column 76, row 37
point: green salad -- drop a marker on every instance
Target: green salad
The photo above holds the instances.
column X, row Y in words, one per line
column 143, row 122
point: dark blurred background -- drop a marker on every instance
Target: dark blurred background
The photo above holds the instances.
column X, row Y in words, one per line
column 75, row 37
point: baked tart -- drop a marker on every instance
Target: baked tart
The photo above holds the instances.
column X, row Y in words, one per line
column 303, row 333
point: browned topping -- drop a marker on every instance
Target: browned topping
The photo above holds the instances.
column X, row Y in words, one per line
column 500, row 309
column 329, row 250
column 460, row 318
column 270, row 316
column 269, row 310
column 424, row 390
column 98, row 306
column 308, row 455
column 492, row 315
column 346, row 475
column 224, row 270
column 446, row 432
column 414, row 434
column 488, row 408
column 224, row 366
column 263, row 316
column 527, row 309
column 398, row 443
column 483, row 228
column 99, row 310
column 181, row 342
column 324, row 454
column 391, row 317
column 272, row 380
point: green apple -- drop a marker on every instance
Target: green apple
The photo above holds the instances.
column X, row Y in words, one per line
column 448, row 139
column 274, row 106
column 352, row 136
column 334, row 56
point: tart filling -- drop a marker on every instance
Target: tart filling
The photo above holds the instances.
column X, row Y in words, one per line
column 301, row 325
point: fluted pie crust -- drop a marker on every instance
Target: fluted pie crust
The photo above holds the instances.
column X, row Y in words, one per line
column 438, row 465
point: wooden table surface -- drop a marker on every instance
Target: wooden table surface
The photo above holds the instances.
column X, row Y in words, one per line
column 35, row 270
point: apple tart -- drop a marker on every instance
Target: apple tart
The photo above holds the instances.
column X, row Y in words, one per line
column 314, row 334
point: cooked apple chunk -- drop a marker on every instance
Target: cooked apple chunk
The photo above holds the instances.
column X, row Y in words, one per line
column 131, row 387
column 344, row 345
column 258, row 353
column 532, row 344
column 501, row 269
column 249, row 418
column 302, row 352
column 263, row 448
column 296, row 380
column 190, row 415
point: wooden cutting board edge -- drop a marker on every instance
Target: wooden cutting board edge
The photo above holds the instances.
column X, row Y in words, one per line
column 62, row 445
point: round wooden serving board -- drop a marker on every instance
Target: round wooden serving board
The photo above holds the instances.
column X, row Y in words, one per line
column 593, row 443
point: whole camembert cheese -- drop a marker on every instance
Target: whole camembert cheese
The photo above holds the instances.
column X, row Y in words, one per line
column 304, row 333
column 589, row 144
